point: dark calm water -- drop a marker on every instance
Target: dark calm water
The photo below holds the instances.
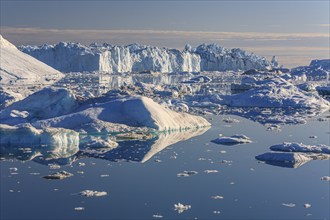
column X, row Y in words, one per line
column 144, row 187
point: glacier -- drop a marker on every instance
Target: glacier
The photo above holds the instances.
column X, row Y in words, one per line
column 75, row 57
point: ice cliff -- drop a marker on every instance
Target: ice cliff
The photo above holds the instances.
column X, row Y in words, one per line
column 75, row 57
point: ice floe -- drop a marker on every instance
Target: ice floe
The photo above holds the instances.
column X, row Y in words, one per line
column 92, row 193
column 232, row 140
column 299, row 147
column 58, row 175
column 181, row 207
column 187, row 173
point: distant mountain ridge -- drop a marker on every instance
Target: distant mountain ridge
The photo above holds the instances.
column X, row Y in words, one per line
column 75, row 57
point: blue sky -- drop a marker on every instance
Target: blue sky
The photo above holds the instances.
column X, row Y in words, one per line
column 295, row 31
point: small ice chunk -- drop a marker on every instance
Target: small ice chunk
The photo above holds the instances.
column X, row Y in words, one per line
column 158, row 161
column 307, row 205
column 13, row 169
column 79, row 208
column 216, row 212
column 223, row 151
column 313, row 136
column 211, row 171
column 235, row 139
column 181, row 208
column 58, row 175
column 54, row 166
column 104, row 175
column 326, row 178
column 230, row 120
column 290, row 205
column 217, row 197
column 187, row 173
column 157, row 216
column 81, row 164
column 91, row 193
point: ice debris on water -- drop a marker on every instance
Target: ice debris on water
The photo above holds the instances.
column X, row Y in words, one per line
column 79, row 208
column 216, row 212
column 187, row 173
column 211, row 171
column 13, row 169
column 91, row 193
column 181, row 208
column 157, row 216
column 307, row 205
column 326, row 178
column 235, row 139
column 230, row 120
column 58, row 175
column 290, row 205
column 54, row 166
column 217, row 197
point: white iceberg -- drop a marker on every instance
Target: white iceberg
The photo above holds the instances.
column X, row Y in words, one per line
column 134, row 111
column 58, row 175
column 299, row 147
column 75, row 57
column 235, row 139
column 17, row 67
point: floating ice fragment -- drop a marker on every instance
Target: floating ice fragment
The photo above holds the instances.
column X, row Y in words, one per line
column 58, row 175
column 223, row 151
column 81, row 164
column 181, row 208
column 230, row 120
column 313, row 136
column 79, row 208
column 232, row 140
column 104, row 175
column 54, row 166
column 158, row 161
column 157, row 216
column 306, row 205
column 211, row 171
column 217, row 197
column 326, row 178
column 13, row 169
column 216, row 212
column 290, row 205
column 299, row 147
column 91, row 193
column 187, row 173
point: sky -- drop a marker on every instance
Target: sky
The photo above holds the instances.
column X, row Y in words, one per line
column 294, row 31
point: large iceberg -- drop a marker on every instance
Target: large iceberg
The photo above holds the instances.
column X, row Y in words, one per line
column 317, row 70
column 132, row 111
column 16, row 66
column 75, row 57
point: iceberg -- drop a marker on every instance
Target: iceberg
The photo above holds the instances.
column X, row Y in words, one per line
column 18, row 67
column 75, row 57
column 232, row 140
column 51, row 143
column 299, row 147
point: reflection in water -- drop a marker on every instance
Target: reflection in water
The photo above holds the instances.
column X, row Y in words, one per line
column 27, row 143
column 286, row 164
column 142, row 151
column 132, row 150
